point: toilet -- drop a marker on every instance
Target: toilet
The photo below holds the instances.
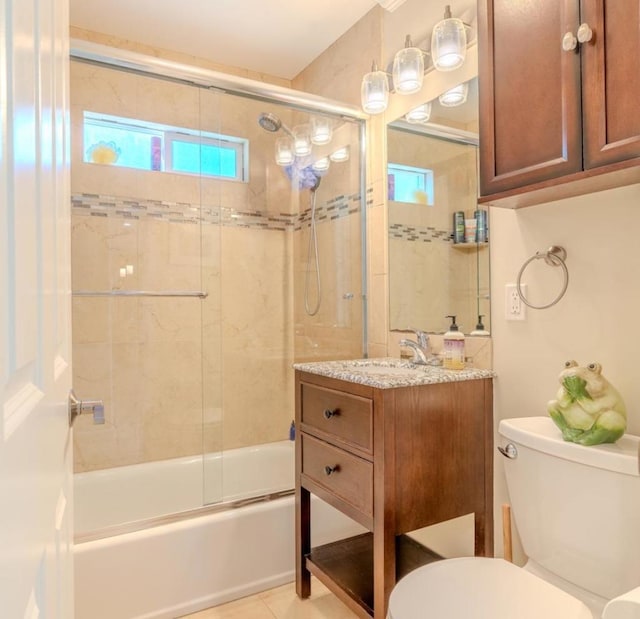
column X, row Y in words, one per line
column 577, row 510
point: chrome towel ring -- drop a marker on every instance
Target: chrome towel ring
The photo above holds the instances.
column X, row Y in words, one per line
column 555, row 256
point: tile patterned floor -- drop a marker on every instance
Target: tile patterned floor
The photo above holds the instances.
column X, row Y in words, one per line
column 281, row 603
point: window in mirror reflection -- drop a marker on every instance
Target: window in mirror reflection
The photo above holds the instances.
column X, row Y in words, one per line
column 410, row 184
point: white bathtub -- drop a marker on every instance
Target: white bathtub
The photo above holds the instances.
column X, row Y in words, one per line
column 173, row 569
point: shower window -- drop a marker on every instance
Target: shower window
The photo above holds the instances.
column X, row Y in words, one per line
column 144, row 145
column 410, row 184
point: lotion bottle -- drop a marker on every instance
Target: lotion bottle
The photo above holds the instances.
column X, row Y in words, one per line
column 453, row 345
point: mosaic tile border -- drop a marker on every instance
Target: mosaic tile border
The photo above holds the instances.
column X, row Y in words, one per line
column 97, row 205
column 429, row 234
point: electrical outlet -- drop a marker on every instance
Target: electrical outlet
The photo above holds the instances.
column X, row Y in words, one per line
column 514, row 308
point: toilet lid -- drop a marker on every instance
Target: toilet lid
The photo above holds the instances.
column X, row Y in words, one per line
column 480, row 588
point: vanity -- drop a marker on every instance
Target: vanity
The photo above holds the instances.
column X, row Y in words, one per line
column 396, row 447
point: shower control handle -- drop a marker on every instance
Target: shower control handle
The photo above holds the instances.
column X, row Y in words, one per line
column 328, row 412
column 78, row 407
column 329, row 470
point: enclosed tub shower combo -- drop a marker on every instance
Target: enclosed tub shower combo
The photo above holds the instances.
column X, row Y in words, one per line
column 216, row 240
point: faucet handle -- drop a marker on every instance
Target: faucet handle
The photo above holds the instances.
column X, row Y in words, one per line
column 422, row 338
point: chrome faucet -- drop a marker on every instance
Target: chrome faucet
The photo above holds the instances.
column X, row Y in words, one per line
column 420, row 347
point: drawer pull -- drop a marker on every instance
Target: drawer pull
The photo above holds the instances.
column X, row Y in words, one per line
column 328, row 470
column 328, row 413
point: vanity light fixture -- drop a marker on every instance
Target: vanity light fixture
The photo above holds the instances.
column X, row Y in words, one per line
column 340, row 155
column 302, row 140
column 448, row 42
column 284, row 151
column 454, row 96
column 374, row 91
column 420, row 114
column 408, row 69
column 321, row 131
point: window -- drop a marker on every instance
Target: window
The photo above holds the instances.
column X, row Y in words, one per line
column 409, row 184
column 150, row 146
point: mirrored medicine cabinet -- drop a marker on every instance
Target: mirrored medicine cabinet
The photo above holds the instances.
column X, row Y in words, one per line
column 432, row 172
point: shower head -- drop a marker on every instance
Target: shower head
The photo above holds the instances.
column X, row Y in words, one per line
column 270, row 122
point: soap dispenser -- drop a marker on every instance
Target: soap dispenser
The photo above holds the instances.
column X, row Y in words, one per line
column 453, row 347
column 480, row 330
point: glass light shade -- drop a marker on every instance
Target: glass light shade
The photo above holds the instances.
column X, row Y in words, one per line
column 448, row 44
column 374, row 92
column 408, row 70
column 420, row 114
column 302, row 140
column 321, row 165
column 284, row 151
column 320, row 130
column 454, row 96
column 342, row 154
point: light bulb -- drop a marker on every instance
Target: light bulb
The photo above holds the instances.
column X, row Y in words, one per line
column 320, row 130
column 420, row 114
column 302, row 140
column 321, row 165
column 408, row 69
column 284, row 151
column 374, row 91
column 448, row 43
column 454, row 96
column 342, row 154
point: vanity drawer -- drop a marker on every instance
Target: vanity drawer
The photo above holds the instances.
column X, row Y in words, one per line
column 346, row 417
column 348, row 477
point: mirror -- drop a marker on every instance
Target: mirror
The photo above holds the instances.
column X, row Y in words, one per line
column 434, row 269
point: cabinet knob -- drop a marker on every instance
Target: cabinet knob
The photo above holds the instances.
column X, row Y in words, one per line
column 585, row 34
column 328, row 412
column 329, row 470
column 569, row 42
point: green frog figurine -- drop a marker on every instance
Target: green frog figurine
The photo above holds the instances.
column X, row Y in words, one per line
column 587, row 409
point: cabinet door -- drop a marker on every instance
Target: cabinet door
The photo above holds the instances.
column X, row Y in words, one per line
column 529, row 90
column 611, row 81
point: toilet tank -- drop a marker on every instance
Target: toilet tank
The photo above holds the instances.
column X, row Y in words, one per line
column 577, row 509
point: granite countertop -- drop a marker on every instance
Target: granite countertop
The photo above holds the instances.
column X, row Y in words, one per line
column 389, row 373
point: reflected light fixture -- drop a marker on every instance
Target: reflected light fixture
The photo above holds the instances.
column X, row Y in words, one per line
column 448, row 43
column 320, row 130
column 321, row 165
column 302, row 140
column 342, row 154
column 420, row 114
column 408, row 69
column 454, row 96
column 374, row 91
column 284, row 151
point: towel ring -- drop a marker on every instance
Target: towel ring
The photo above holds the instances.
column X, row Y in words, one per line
column 555, row 256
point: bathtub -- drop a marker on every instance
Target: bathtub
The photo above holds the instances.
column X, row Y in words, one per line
column 201, row 558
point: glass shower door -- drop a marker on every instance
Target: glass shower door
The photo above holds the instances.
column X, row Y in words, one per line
column 138, row 272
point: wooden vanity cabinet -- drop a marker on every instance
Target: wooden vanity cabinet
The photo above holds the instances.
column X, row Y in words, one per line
column 556, row 123
column 394, row 460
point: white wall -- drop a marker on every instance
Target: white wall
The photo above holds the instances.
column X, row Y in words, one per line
column 597, row 320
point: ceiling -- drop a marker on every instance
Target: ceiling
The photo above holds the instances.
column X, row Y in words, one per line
column 277, row 37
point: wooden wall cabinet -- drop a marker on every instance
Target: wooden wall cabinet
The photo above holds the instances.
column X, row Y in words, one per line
column 394, row 460
column 556, row 122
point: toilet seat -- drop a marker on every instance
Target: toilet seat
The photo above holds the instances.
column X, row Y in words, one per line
column 480, row 588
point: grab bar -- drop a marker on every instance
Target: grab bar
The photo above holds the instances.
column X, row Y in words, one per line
column 140, row 293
